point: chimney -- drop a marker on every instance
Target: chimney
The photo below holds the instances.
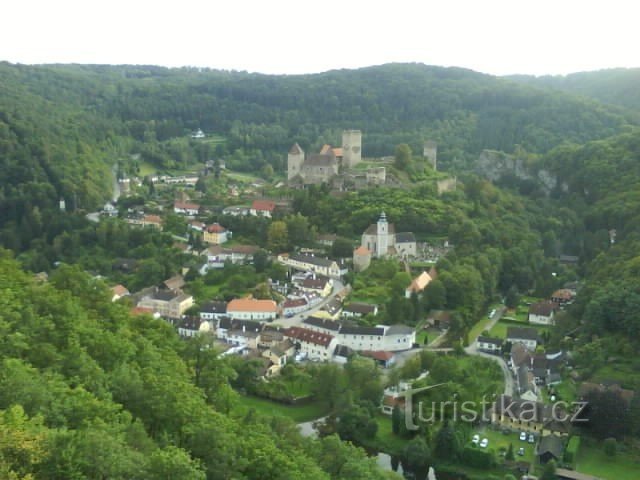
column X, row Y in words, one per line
column 244, row 328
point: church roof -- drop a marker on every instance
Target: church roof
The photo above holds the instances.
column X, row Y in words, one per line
column 405, row 237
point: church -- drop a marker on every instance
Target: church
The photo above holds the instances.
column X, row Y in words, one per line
column 382, row 240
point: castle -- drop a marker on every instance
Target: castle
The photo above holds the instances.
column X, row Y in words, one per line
column 324, row 166
column 382, row 240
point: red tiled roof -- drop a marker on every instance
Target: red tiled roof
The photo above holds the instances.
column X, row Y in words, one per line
column 563, row 294
column 380, row 355
column 141, row 311
column 251, row 305
column 216, row 228
column 152, row 219
column 362, row 251
column 120, row 290
column 306, row 335
column 267, row 205
column 294, row 302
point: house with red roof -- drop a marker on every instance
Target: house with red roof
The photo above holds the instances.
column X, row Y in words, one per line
column 185, row 208
column 215, row 234
column 314, row 345
column 262, row 208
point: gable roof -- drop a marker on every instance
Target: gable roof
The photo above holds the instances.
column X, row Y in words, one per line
column 322, row 323
column 563, row 294
column 399, row 330
column 216, row 228
column 494, row 341
column 519, row 354
column 263, row 205
column 419, row 283
column 251, row 305
column 120, row 290
column 373, row 229
column 318, row 261
column 228, row 323
column 214, row 307
column 359, row 307
column 544, row 309
column 186, row 206
column 317, row 283
column 358, row 330
column 551, row 444
column 309, row 336
column 522, row 333
column 175, row 282
column 380, row 355
column 405, row 237
column 362, row 251
column 294, row 302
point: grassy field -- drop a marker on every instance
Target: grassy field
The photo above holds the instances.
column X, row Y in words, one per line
column 499, row 330
column 242, row 177
column 481, row 324
column 297, row 413
column 147, row 168
column 592, row 460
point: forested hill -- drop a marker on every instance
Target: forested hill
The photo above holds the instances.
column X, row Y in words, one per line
column 62, row 127
column 617, row 86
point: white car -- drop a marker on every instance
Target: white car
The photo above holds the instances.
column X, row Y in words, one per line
column 475, row 439
column 484, row 443
column 523, row 436
column 532, row 438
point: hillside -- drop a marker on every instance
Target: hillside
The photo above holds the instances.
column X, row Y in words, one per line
column 63, row 127
column 618, row 86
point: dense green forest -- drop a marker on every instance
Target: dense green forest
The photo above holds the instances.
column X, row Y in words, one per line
column 616, row 86
column 86, row 391
column 62, row 128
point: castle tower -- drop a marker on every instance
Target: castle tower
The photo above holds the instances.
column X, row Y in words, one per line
column 382, row 241
column 351, row 148
column 431, row 153
column 295, row 159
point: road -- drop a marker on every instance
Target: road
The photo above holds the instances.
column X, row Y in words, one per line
column 297, row 320
column 472, row 349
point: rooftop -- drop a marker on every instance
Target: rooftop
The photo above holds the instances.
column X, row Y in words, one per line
column 309, row 336
column 251, row 305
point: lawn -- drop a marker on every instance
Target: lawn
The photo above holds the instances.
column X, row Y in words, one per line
column 385, row 440
column 499, row 330
column 242, row 177
column 624, row 372
column 592, row 460
column 147, row 168
column 497, row 439
column 297, row 413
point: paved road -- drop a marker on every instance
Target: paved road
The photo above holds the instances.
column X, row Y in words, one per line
column 296, row 320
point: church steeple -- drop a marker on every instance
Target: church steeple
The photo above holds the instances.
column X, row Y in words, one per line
column 382, row 241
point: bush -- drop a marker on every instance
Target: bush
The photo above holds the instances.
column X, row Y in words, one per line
column 610, row 447
column 571, row 452
column 478, row 458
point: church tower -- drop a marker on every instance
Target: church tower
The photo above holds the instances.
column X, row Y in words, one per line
column 295, row 159
column 382, row 241
column 351, row 148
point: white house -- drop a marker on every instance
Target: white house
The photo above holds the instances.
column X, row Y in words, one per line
column 318, row 265
column 213, row 310
column 239, row 332
column 525, row 335
column 381, row 337
column 293, row 306
column 315, row 345
column 252, row 309
column 262, row 208
column 489, row 345
column 357, row 309
column 543, row 313
column 185, row 208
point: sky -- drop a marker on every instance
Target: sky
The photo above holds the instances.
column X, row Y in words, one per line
column 498, row 37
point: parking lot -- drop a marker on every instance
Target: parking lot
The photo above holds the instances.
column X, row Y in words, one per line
column 499, row 442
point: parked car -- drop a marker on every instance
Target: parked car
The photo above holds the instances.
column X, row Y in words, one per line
column 521, row 451
column 484, row 443
column 475, row 439
column 532, row 438
column 523, row 436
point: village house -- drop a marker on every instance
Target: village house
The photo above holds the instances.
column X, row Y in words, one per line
column 235, row 211
column 215, row 234
column 392, row 338
column 174, row 283
column 489, row 345
column 323, row 325
column 118, row 292
column 382, row 358
column 358, row 310
column 213, row 311
column 543, row 313
column 318, row 265
column 153, row 221
column 189, row 326
column 262, row 208
column 239, row 332
column 419, row 283
column 197, row 225
column 326, row 239
column 381, row 239
column 361, row 259
column 563, row 297
column 185, row 208
column 167, row 303
column 331, row 309
column 317, row 284
column 252, row 309
column 293, row 306
column 527, row 336
column 237, row 254
column 550, row 448
column 524, row 415
column 278, row 355
column 313, row 345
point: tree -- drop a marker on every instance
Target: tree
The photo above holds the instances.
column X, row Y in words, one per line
column 447, row 445
column 512, row 299
column 356, row 424
column 342, row 248
column 509, row 456
column 403, row 156
column 417, row 456
column 278, row 236
column 174, row 463
column 549, row 471
column 396, row 419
